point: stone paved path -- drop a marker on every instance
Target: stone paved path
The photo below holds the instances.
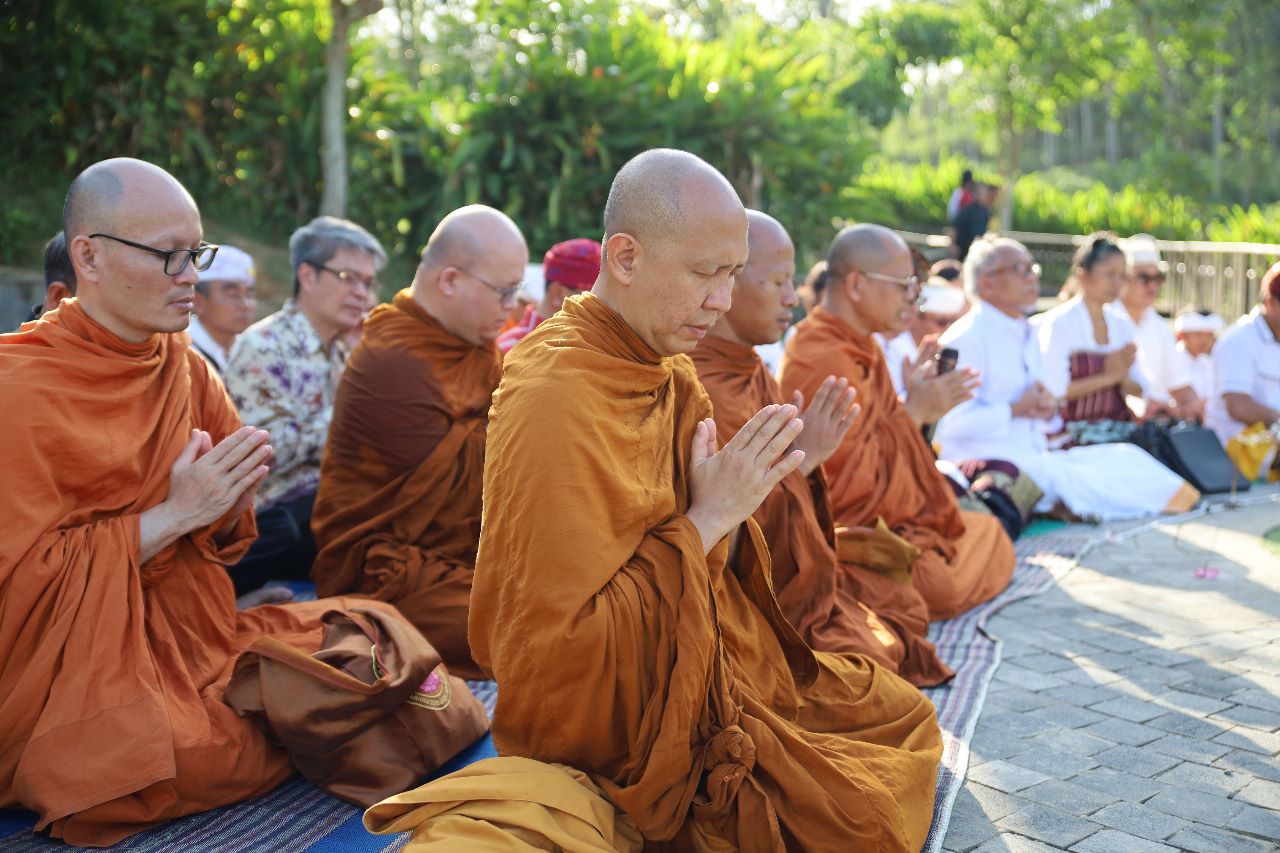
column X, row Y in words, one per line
column 1138, row 705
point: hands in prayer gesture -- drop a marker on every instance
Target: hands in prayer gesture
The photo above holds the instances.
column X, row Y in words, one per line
column 1118, row 362
column 829, row 416
column 728, row 485
column 1036, row 403
column 207, row 483
column 930, row 396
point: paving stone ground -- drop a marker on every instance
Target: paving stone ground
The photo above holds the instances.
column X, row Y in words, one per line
column 1137, row 707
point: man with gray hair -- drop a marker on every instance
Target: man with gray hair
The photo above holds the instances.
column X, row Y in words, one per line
column 1013, row 411
column 282, row 375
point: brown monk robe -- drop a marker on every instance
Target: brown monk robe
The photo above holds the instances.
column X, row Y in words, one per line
column 132, row 487
column 397, row 517
column 883, row 469
column 827, row 601
column 625, row 641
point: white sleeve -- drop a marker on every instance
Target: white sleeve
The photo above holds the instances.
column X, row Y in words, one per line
column 1233, row 364
column 1055, row 348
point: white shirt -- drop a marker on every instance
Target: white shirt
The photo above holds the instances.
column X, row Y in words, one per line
column 1006, row 352
column 1246, row 360
column 206, row 345
column 1165, row 367
column 895, row 350
column 1067, row 329
column 1200, row 367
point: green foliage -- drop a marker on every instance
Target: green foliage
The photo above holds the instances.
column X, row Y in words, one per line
column 1058, row 201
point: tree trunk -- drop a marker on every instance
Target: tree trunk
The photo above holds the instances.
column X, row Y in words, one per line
column 333, row 106
column 1010, row 146
column 1113, row 127
column 1168, row 89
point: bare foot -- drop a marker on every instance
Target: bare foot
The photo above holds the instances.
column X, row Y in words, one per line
column 266, row 595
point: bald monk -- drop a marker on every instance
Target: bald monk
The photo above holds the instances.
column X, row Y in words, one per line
column 118, row 626
column 397, row 516
column 895, row 507
column 622, row 597
column 835, row 607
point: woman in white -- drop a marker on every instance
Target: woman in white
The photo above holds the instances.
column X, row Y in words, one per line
column 1088, row 345
column 1014, row 408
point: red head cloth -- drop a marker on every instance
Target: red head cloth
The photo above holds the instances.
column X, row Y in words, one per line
column 573, row 263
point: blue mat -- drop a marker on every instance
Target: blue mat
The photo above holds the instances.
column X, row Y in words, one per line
column 296, row 817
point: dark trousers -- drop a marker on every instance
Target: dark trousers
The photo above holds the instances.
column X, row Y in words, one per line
column 284, row 550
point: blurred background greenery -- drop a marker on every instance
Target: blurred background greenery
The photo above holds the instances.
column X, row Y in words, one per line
column 1137, row 115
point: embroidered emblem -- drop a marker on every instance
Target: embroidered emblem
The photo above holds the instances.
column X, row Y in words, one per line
column 433, row 694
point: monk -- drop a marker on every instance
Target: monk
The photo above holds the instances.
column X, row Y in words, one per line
column 118, row 625
column 622, row 596
column 397, row 517
column 835, row 607
column 896, row 508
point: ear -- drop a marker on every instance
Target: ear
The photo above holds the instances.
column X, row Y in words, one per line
column 622, row 252
column 851, row 286
column 306, row 278
column 447, row 281
column 55, row 293
column 84, row 259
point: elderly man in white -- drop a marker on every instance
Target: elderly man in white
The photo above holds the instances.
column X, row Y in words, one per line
column 1013, row 410
column 1168, row 370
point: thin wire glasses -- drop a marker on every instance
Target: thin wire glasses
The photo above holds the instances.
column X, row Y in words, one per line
column 504, row 293
column 910, row 284
column 175, row 260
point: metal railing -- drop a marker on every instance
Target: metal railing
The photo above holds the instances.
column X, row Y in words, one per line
column 1222, row 277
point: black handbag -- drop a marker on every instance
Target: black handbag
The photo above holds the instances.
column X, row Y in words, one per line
column 1192, row 452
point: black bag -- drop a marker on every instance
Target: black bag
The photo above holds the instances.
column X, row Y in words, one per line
column 1193, row 453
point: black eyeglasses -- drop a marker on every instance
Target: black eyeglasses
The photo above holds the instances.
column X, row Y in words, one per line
column 201, row 255
column 351, row 279
column 504, row 293
column 1149, row 277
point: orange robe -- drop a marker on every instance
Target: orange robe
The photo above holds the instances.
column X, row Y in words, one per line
column 668, row 675
column 112, row 671
column 885, row 469
column 397, row 516
column 829, row 602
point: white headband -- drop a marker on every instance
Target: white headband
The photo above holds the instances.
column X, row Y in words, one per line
column 1197, row 322
column 936, row 299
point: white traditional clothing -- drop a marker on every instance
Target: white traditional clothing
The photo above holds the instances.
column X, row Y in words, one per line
column 1246, row 361
column 206, row 345
column 1165, row 368
column 1203, row 382
column 895, row 350
column 1108, row 481
column 1067, row 329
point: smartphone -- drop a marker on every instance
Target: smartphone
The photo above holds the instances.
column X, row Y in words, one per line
column 946, row 359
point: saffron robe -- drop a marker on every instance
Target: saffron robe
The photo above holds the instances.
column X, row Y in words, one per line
column 835, row 606
column 884, row 469
column 397, row 516
column 111, row 669
column 622, row 649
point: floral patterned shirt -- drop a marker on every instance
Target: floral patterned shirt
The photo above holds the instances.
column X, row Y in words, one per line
column 282, row 380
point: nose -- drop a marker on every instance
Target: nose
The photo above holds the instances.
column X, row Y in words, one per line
column 721, row 298
column 790, row 298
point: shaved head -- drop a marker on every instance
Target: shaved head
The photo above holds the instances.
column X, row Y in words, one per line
column 864, row 247
column 869, row 274
column 652, row 195
column 105, row 191
column 764, row 294
column 470, row 268
column 675, row 239
column 468, row 234
column 764, row 234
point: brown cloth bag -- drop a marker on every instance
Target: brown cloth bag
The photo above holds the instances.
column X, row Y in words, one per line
column 369, row 715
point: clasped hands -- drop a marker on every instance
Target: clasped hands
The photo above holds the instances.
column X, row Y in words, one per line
column 207, row 483
column 729, row 484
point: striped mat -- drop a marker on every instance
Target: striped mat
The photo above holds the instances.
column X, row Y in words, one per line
column 299, row 817
column 1046, row 552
